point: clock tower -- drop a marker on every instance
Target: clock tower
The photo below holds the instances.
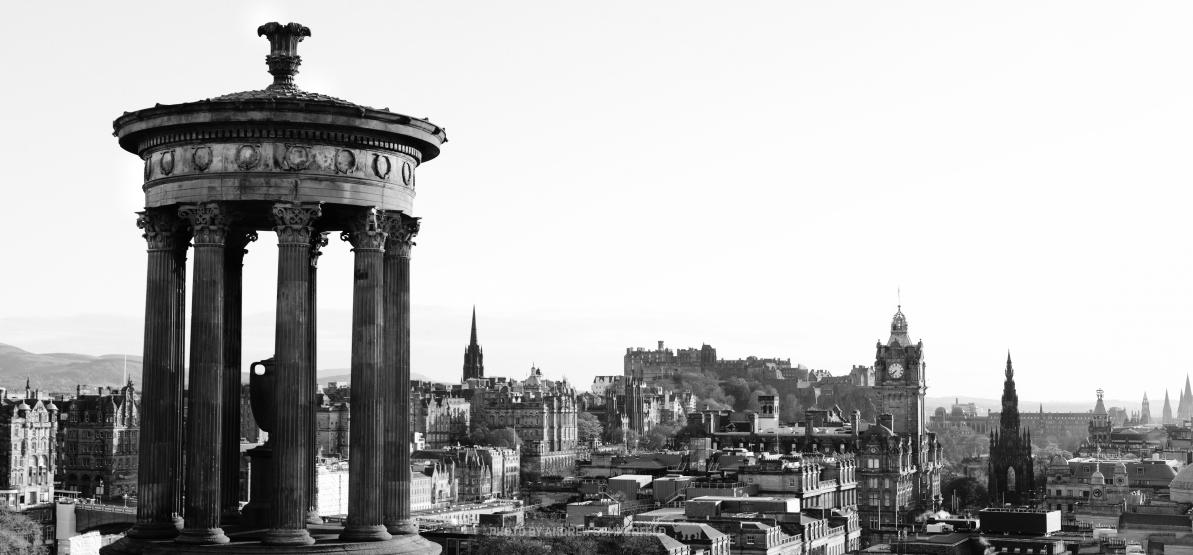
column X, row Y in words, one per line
column 900, row 383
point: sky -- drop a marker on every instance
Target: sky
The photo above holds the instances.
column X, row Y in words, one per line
column 771, row 178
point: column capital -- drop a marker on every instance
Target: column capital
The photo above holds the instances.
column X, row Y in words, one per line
column 208, row 221
column 401, row 229
column 163, row 230
column 294, row 221
column 318, row 241
column 365, row 231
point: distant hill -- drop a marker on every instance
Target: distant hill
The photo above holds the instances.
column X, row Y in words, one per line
column 1027, row 405
column 62, row 372
column 344, row 375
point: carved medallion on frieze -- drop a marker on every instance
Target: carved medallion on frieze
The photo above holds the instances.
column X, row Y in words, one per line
column 381, row 166
column 201, row 157
column 296, row 157
column 166, row 162
column 247, row 157
column 345, row 161
column 408, row 174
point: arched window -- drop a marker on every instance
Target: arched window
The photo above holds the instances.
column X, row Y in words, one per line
column 1011, row 479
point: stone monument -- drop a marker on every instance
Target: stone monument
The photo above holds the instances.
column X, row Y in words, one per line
column 302, row 165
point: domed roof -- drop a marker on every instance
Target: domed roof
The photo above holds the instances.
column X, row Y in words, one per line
column 1097, row 478
column 1180, row 489
column 899, row 329
column 280, row 102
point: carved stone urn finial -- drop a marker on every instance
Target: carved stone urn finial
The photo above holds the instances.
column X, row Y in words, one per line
column 283, row 59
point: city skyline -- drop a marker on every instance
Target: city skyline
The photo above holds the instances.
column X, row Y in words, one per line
column 762, row 181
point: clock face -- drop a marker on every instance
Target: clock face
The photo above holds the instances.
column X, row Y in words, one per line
column 895, row 370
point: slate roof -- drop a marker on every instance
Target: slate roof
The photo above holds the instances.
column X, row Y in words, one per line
column 283, row 93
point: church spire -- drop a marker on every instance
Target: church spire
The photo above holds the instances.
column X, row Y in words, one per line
column 1166, row 416
column 472, row 341
column 474, row 366
column 1009, row 420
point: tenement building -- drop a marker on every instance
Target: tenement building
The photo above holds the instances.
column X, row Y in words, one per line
column 443, row 420
column 333, row 424
column 478, row 473
column 27, row 459
column 543, row 414
column 99, row 442
column 1011, row 477
column 302, row 166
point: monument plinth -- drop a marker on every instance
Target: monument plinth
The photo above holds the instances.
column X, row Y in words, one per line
column 302, row 165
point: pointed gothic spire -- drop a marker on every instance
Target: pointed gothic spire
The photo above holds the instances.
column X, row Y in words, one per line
column 474, row 358
column 1010, row 371
column 472, row 341
column 1166, row 415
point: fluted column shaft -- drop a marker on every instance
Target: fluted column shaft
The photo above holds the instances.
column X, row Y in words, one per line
column 396, row 375
column 294, row 393
column 231, row 379
column 318, row 241
column 159, row 441
column 365, row 512
column 202, row 507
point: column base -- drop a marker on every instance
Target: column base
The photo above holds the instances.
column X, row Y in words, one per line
column 313, row 517
column 249, row 541
column 282, row 537
column 201, row 536
column 154, row 531
column 402, row 528
column 365, row 533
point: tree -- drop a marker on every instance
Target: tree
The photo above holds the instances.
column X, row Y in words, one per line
column 501, row 437
column 19, row 535
column 659, row 436
column 967, row 493
column 505, row 437
column 625, row 436
column 513, row 545
column 588, row 427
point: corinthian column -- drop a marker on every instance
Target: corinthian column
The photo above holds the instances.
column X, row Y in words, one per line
column 162, row 375
column 295, row 376
column 365, row 513
column 395, row 384
column 202, row 525
column 230, row 418
column 318, row 241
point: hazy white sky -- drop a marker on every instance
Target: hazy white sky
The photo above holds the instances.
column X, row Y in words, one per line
column 758, row 176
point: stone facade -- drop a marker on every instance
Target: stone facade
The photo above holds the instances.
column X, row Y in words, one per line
column 333, row 426
column 28, row 459
column 99, row 434
column 443, row 421
column 479, row 473
column 543, row 414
